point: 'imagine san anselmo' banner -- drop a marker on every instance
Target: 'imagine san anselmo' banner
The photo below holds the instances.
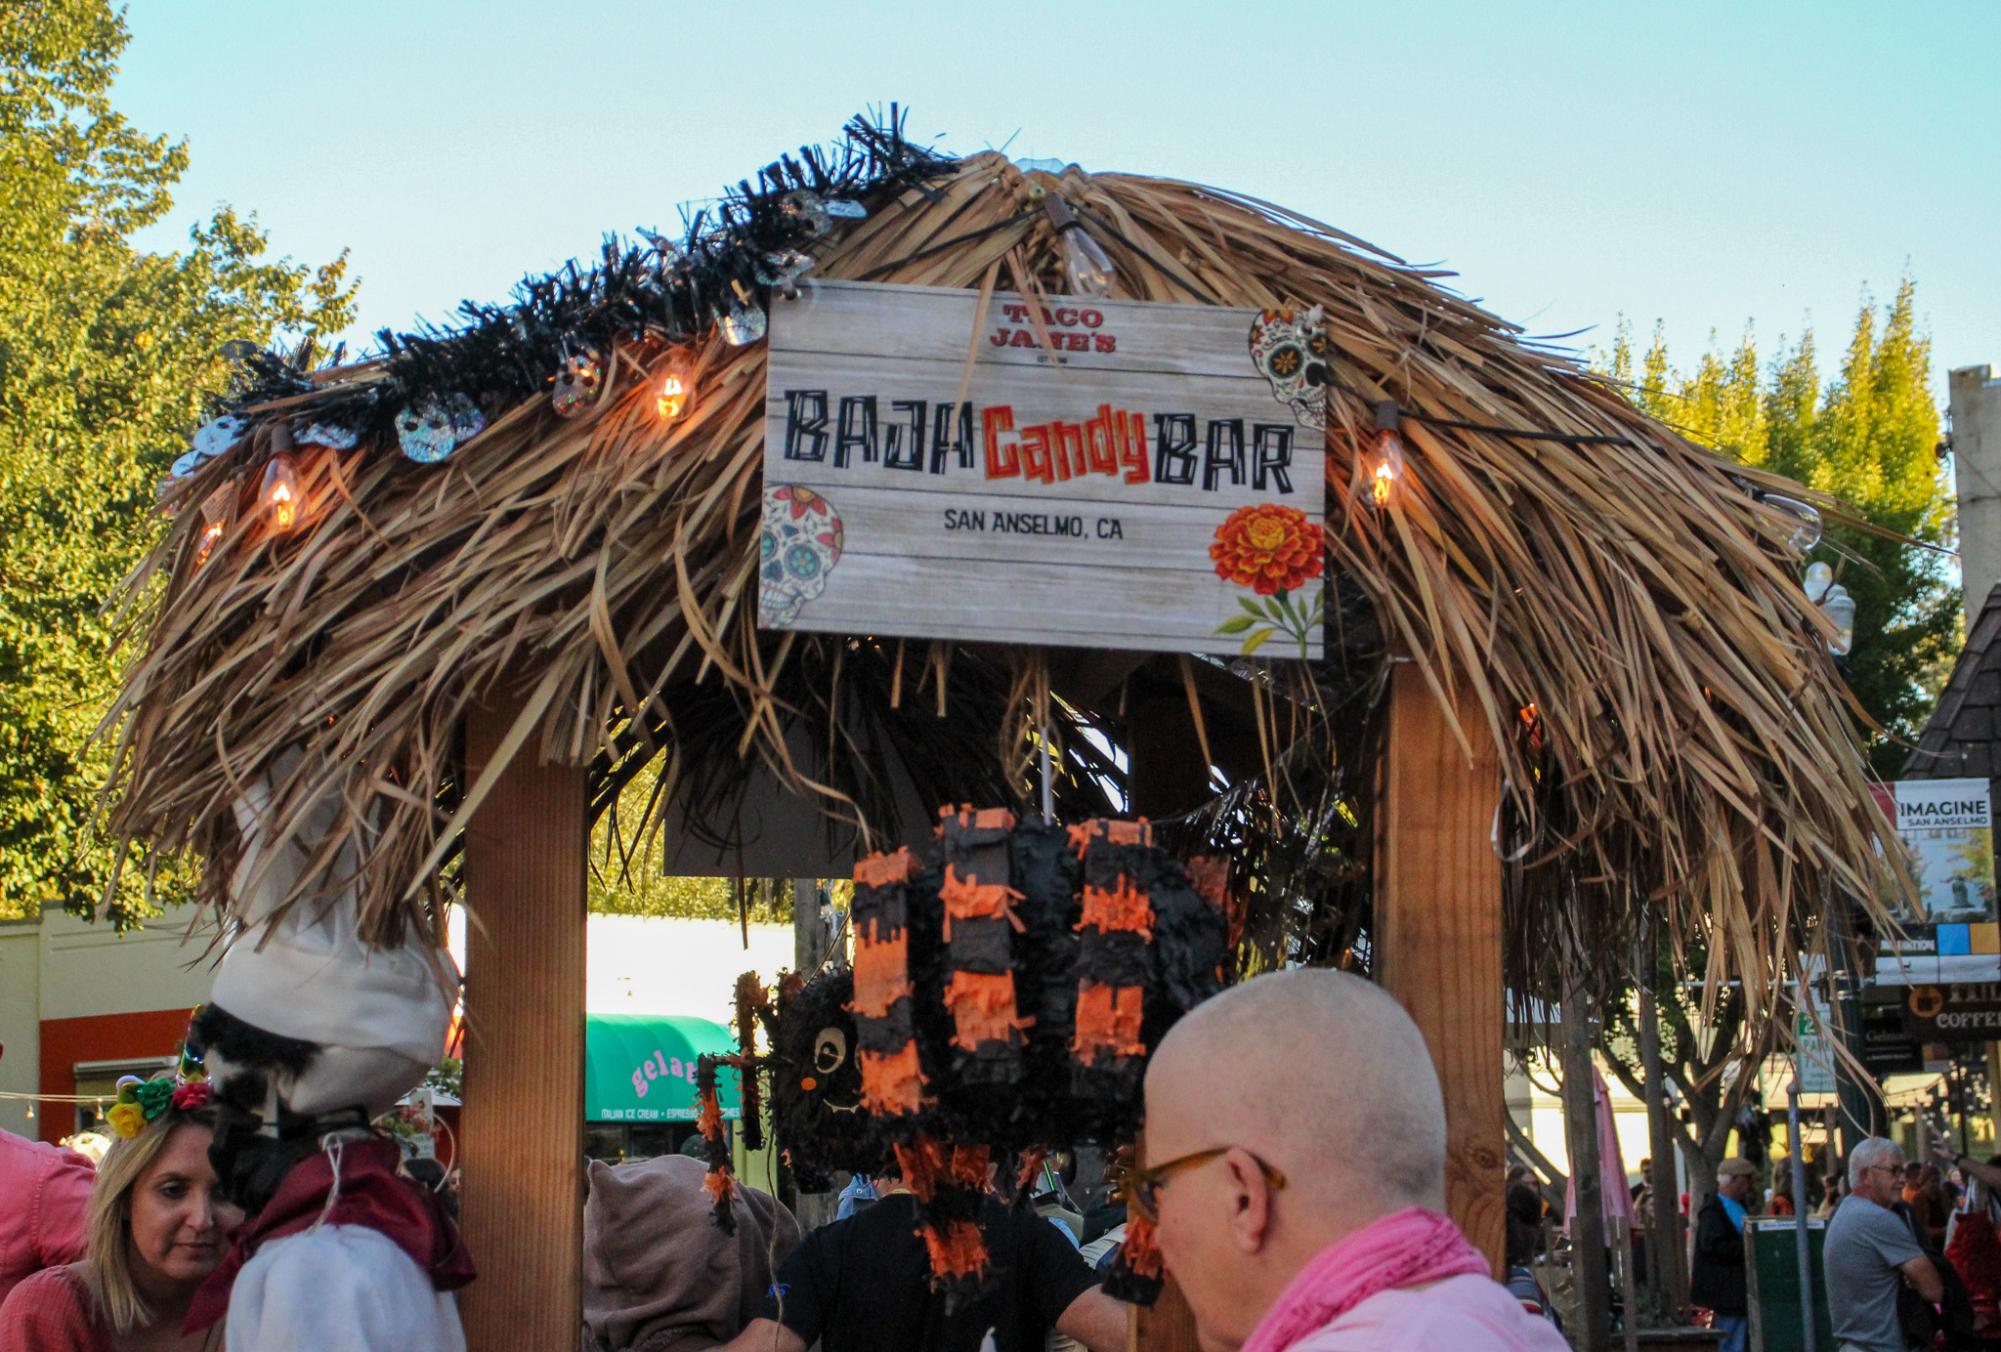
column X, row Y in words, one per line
column 1947, row 827
column 1078, row 472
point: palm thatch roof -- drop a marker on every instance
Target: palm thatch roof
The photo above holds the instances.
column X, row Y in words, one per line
column 1962, row 738
column 1621, row 603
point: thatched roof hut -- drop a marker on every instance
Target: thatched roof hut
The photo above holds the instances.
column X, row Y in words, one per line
column 1621, row 605
column 1565, row 636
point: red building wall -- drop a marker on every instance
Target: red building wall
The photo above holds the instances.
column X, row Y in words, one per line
column 100, row 1037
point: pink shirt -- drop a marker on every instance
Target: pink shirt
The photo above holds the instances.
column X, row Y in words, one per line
column 51, row 1312
column 43, row 1192
column 1455, row 1315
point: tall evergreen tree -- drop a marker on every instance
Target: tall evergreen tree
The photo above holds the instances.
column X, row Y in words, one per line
column 108, row 357
column 1870, row 437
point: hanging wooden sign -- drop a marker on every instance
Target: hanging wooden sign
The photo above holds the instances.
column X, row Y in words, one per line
column 1109, row 474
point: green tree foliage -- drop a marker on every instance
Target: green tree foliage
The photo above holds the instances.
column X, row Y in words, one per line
column 1869, row 435
column 628, row 875
column 109, row 355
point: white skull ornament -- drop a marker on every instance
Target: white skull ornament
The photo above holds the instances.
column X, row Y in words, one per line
column 798, row 547
column 1293, row 353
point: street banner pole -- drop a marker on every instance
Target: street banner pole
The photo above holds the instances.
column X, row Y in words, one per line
column 1801, row 1246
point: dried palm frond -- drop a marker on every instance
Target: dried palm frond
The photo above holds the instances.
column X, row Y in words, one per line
column 1619, row 602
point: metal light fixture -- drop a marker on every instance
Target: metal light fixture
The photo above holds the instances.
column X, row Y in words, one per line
column 1804, row 519
column 1387, row 467
column 1834, row 602
column 1087, row 269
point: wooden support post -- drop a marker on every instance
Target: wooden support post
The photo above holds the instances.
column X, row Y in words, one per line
column 522, row 1143
column 1664, row 1236
column 1580, row 1131
column 1438, row 932
column 809, row 949
column 1166, row 774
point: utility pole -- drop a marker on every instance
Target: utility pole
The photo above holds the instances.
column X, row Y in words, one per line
column 1862, row 1114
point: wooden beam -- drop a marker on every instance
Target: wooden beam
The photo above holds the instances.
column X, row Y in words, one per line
column 1167, row 774
column 1438, row 931
column 521, row 1142
column 1588, row 1236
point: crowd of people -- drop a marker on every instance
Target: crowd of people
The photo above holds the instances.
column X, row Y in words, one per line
column 1298, row 1204
column 1912, row 1254
column 1280, row 1228
column 111, row 1258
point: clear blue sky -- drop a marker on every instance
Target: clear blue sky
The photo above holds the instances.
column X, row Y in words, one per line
column 1707, row 164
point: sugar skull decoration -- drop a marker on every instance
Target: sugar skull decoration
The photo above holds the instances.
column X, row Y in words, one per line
column 429, row 432
column 1293, row 353
column 799, row 546
column 578, row 382
column 218, row 436
column 331, row 435
column 1006, row 991
column 743, row 323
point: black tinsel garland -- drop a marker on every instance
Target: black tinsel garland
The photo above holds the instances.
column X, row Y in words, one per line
column 498, row 354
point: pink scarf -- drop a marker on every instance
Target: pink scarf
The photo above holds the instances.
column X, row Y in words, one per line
column 1407, row 1248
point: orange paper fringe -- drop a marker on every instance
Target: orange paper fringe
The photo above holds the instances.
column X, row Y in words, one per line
column 971, row 899
column 881, row 870
column 710, row 1120
column 1116, row 832
column 893, row 1082
column 969, row 1166
column 1142, row 1249
column 1108, row 1020
column 921, row 1161
column 1127, row 910
column 983, row 1008
column 959, row 1251
column 882, row 974
column 719, row 1185
column 998, row 818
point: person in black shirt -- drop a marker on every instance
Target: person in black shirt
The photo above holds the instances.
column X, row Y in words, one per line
column 863, row 1285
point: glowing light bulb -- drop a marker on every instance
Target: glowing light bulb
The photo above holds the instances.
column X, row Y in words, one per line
column 209, row 535
column 279, row 493
column 31, row 1112
column 1388, row 466
column 215, row 513
column 1087, row 269
column 677, row 386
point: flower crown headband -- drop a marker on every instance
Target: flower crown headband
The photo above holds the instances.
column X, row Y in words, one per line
column 142, row 1101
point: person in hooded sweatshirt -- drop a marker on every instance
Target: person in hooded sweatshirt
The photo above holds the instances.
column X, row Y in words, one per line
column 659, row 1274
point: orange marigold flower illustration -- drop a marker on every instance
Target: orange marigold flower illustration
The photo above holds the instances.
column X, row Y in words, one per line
column 1267, row 548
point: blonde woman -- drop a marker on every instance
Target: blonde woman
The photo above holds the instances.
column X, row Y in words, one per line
column 156, row 1228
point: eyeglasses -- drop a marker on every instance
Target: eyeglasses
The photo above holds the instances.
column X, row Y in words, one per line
column 1141, row 1187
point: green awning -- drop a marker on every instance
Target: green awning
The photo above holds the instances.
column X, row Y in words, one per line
column 641, row 1067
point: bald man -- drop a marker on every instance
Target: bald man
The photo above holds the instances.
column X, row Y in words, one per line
column 1295, row 1151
